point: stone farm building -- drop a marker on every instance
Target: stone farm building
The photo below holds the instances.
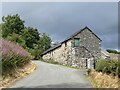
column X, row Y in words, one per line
column 80, row 49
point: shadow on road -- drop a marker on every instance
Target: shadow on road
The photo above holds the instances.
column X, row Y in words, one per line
column 63, row 85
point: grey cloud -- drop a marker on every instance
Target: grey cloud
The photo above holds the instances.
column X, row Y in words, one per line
column 60, row 20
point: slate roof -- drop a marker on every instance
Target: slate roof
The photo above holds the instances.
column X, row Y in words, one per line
column 104, row 52
column 52, row 48
column 70, row 37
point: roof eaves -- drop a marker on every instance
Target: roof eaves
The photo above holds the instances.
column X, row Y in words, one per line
column 73, row 35
column 92, row 32
column 52, row 48
column 58, row 45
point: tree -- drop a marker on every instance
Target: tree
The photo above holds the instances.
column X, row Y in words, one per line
column 31, row 36
column 45, row 42
column 12, row 23
column 17, row 38
column 13, row 29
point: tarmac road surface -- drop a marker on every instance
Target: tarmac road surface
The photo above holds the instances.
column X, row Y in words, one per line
column 53, row 76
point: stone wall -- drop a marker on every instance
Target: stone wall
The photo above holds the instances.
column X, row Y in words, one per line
column 61, row 54
column 80, row 57
column 114, row 56
column 67, row 54
column 90, row 42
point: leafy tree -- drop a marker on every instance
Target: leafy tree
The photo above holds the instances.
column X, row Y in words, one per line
column 13, row 29
column 45, row 41
column 31, row 36
column 17, row 38
column 43, row 44
column 36, row 51
column 34, row 32
column 12, row 23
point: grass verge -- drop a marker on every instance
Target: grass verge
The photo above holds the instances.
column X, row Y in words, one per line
column 57, row 63
column 100, row 80
column 20, row 73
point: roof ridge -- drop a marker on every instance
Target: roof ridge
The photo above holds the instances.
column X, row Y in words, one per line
column 59, row 44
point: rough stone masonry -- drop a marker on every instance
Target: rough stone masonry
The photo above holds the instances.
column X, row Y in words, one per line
column 81, row 49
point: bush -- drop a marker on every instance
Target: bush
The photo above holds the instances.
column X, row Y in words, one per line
column 108, row 66
column 88, row 71
column 118, row 68
column 100, row 65
column 11, row 61
column 13, row 56
column 17, row 38
column 35, row 53
column 112, row 51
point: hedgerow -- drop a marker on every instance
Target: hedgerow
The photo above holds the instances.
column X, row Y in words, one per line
column 108, row 66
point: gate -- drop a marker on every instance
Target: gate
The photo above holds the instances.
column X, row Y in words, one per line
column 89, row 63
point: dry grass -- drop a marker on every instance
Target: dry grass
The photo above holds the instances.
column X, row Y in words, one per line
column 100, row 80
column 20, row 72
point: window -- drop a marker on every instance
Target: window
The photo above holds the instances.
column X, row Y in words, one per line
column 77, row 42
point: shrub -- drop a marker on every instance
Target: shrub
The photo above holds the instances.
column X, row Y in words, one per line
column 108, row 66
column 35, row 53
column 112, row 51
column 88, row 71
column 16, row 38
column 118, row 68
column 13, row 56
column 100, row 65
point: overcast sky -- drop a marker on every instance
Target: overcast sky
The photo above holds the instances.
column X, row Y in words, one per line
column 60, row 20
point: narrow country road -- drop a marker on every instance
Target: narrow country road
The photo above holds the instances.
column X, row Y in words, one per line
column 53, row 76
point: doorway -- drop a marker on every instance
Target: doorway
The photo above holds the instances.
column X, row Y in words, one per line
column 89, row 63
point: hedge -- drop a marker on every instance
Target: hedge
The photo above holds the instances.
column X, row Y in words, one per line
column 108, row 66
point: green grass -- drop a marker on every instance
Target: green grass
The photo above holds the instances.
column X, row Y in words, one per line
column 50, row 61
column 57, row 63
column 108, row 67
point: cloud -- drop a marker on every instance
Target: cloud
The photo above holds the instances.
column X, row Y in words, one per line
column 60, row 20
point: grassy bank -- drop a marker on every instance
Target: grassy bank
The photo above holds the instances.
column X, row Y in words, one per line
column 102, row 80
column 16, row 62
column 106, row 74
column 57, row 63
column 13, row 57
column 20, row 73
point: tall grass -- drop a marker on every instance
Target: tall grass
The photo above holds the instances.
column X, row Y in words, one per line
column 108, row 66
column 13, row 56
